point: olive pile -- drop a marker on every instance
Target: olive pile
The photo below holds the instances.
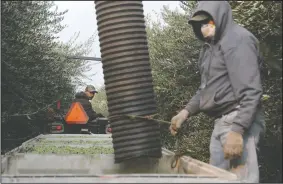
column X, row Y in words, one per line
column 70, row 136
column 44, row 141
column 44, row 149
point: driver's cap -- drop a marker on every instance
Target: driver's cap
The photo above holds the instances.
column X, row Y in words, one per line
column 90, row 88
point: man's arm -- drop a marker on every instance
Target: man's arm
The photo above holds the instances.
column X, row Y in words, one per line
column 243, row 70
column 193, row 106
column 90, row 112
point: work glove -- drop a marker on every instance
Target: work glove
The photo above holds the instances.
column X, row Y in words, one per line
column 177, row 121
column 233, row 146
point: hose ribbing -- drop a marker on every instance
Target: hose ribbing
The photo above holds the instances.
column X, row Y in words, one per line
column 128, row 79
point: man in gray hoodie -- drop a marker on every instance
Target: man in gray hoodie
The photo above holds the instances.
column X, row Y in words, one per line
column 230, row 89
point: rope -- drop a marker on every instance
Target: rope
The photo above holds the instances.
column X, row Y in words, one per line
column 178, row 153
column 140, row 117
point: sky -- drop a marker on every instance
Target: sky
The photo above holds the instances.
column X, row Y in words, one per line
column 81, row 18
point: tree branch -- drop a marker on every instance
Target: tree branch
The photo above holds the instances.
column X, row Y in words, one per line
column 32, row 113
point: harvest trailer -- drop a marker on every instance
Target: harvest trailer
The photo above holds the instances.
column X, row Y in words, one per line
column 80, row 158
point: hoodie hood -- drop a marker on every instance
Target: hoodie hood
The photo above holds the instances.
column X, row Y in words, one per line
column 221, row 13
column 81, row 95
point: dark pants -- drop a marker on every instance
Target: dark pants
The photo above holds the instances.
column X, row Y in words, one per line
column 248, row 170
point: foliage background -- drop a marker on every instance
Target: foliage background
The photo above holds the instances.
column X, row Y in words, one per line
column 35, row 71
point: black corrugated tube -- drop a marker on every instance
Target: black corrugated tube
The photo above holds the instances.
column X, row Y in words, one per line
column 128, row 79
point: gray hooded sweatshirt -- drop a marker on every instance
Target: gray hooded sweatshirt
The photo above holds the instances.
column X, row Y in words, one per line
column 229, row 67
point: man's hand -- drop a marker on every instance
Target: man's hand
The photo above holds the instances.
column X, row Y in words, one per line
column 233, row 146
column 177, row 121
